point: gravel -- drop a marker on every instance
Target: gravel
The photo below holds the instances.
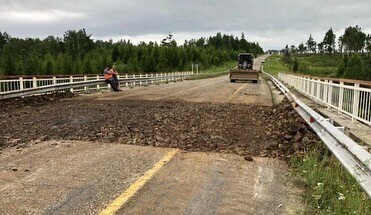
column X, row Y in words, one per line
column 246, row 130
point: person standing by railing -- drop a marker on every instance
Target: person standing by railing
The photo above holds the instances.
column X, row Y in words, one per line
column 110, row 75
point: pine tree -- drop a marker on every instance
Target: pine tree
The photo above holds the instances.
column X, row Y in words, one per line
column 329, row 42
column 48, row 65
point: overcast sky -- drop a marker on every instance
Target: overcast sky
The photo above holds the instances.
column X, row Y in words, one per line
column 272, row 23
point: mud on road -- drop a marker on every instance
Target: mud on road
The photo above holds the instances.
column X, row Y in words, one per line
column 232, row 128
column 68, row 155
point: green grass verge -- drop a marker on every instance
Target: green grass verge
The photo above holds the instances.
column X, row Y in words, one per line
column 329, row 188
column 319, row 64
column 214, row 71
column 274, row 64
column 309, row 64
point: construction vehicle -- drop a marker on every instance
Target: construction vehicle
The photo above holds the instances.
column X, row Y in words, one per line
column 244, row 71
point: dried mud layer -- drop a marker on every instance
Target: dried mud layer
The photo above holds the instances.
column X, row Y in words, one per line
column 276, row 131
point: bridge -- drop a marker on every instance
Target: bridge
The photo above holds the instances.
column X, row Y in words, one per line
column 204, row 146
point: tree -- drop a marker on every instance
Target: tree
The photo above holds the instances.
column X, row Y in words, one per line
column 302, row 48
column 343, row 66
column 368, row 43
column 329, row 41
column 115, row 53
column 314, row 47
column 341, row 44
column 368, row 69
column 48, row 64
column 64, row 64
column 311, row 44
column 162, row 61
column 76, row 52
column 354, row 39
column 355, row 68
column 320, row 47
column 52, row 45
column 7, row 60
column 3, row 39
column 33, row 65
column 200, row 42
column 216, row 41
column 87, row 67
column 295, row 67
column 77, row 43
column 287, row 52
column 293, row 49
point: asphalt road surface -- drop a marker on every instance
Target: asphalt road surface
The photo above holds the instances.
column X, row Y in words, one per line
column 86, row 177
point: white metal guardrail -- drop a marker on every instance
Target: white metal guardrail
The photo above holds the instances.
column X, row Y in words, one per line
column 352, row 156
column 346, row 97
column 30, row 86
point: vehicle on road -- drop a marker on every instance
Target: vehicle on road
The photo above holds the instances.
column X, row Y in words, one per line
column 244, row 71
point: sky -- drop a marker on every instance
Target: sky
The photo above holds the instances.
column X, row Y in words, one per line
column 271, row 23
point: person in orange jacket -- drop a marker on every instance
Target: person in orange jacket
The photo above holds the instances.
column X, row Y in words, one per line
column 110, row 74
column 115, row 74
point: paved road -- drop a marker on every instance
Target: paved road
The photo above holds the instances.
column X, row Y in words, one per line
column 71, row 177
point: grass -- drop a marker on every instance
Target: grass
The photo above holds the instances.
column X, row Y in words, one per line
column 319, row 64
column 222, row 68
column 309, row 64
column 329, row 188
column 274, row 64
column 214, row 71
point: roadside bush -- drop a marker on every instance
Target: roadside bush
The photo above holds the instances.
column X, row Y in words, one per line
column 355, row 68
column 295, row 66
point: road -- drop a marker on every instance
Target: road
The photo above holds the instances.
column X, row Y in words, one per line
column 69, row 176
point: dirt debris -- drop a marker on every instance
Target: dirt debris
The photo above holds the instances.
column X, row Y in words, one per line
column 246, row 130
column 7, row 105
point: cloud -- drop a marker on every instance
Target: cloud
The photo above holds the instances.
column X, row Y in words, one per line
column 35, row 17
column 272, row 23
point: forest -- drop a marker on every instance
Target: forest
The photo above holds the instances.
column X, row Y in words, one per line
column 350, row 59
column 77, row 53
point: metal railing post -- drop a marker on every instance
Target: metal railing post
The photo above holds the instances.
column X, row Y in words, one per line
column 325, row 92
column 98, row 86
column 355, row 102
column 318, row 86
column 312, row 84
column 21, row 83
column 85, row 79
column 34, row 82
column 71, row 81
column 329, row 97
column 341, row 96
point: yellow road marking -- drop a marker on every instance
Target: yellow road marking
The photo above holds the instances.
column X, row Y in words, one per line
column 137, row 185
column 235, row 93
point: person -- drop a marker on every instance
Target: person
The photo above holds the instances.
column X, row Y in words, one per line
column 114, row 76
column 110, row 79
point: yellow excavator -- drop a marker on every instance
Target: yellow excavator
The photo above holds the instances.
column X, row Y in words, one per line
column 244, row 71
